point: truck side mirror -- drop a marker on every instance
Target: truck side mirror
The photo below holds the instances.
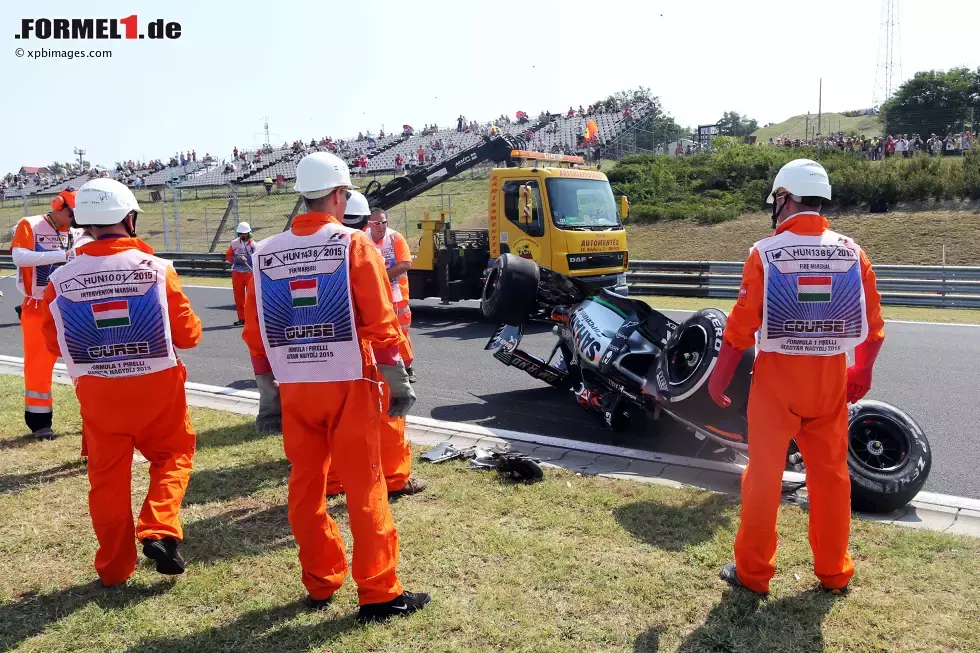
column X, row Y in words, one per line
column 624, row 207
column 526, row 204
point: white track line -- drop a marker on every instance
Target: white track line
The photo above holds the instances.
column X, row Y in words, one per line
column 943, row 324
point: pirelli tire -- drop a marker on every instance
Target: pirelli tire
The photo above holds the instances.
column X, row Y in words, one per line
column 888, row 457
column 688, row 360
column 510, row 290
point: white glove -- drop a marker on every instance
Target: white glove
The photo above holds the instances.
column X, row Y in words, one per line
column 401, row 395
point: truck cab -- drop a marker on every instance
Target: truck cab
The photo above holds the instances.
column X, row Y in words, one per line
column 562, row 217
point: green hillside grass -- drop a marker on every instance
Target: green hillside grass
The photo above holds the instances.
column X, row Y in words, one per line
column 795, row 127
column 896, row 238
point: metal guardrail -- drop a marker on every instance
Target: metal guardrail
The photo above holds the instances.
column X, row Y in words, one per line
column 900, row 285
column 946, row 286
column 189, row 263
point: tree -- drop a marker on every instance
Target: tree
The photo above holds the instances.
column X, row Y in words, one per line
column 621, row 99
column 56, row 168
column 656, row 128
column 934, row 101
column 732, row 123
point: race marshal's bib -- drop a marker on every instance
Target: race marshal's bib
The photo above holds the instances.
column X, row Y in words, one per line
column 814, row 302
column 305, row 309
column 111, row 314
column 45, row 241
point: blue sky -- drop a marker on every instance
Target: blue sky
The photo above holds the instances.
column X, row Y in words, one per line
column 328, row 68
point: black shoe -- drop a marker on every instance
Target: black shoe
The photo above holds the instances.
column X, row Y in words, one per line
column 411, row 374
column 729, row 576
column 318, row 604
column 239, row 323
column 43, row 434
column 164, row 552
column 412, row 486
column 836, row 591
column 402, row 606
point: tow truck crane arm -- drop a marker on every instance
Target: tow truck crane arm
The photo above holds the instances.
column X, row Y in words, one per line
column 401, row 189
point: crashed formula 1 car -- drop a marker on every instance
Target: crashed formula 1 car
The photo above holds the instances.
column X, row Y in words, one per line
column 620, row 357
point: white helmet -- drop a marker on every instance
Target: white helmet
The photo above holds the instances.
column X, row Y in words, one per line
column 103, row 202
column 802, row 178
column 243, row 228
column 319, row 173
column 357, row 210
column 357, row 204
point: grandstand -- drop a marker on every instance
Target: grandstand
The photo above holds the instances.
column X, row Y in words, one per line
column 46, row 187
column 549, row 133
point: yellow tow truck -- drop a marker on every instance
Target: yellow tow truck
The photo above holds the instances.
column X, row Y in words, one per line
column 549, row 208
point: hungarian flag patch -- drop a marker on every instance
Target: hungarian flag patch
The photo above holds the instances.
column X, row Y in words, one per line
column 303, row 292
column 113, row 313
column 813, row 289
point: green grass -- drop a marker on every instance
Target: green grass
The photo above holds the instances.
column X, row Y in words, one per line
column 899, row 237
column 795, row 127
column 201, row 211
column 571, row 564
column 189, row 280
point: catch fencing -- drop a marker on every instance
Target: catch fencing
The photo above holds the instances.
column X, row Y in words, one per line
column 945, row 286
column 203, row 219
column 900, row 285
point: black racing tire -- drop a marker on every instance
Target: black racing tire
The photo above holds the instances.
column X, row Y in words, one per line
column 510, row 290
column 888, row 457
column 686, row 364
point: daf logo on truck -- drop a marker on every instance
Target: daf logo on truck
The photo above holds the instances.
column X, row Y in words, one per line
column 122, row 349
column 304, row 331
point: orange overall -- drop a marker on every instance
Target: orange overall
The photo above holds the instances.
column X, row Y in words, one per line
column 801, row 397
column 38, row 361
column 402, row 255
column 396, row 454
column 148, row 412
column 336, row 425
column 240, row 274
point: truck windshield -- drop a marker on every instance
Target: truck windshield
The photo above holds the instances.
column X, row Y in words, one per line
column 585, row 204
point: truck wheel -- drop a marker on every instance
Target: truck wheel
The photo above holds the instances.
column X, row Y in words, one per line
column 511, row 290
column 888, row 457
column 687, row 361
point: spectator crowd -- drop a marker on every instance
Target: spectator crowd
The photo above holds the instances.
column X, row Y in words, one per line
column 549, row 132
column 901, row 145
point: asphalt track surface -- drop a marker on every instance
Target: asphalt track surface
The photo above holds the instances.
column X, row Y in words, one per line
column 931, row 371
